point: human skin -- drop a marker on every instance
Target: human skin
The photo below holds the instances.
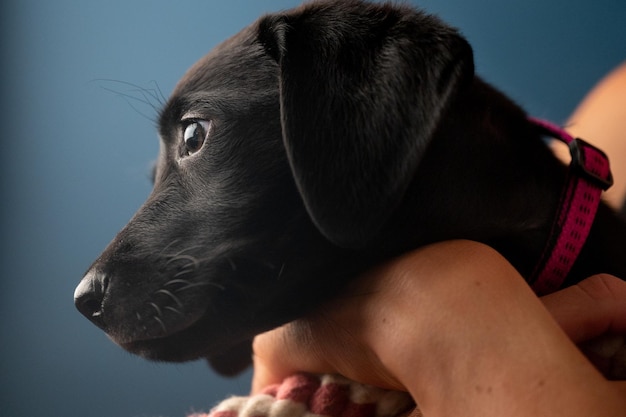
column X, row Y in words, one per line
column 456, row 326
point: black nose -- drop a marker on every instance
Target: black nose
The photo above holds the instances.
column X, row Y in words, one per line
column 88, row 297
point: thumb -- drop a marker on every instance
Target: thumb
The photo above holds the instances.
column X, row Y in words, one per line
column 591, row 308
column 284, row 351
column 593, row 314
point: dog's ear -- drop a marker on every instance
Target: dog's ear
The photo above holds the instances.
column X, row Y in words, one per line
column 362, row 89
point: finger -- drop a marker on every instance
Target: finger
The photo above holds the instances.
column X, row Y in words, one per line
column 266, row 371
column 591, row 308
column 271, row 359
column 284, row 351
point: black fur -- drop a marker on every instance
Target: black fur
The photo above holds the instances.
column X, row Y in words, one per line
column 343, row 133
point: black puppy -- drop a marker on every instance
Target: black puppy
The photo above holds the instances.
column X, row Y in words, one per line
column 308, row 147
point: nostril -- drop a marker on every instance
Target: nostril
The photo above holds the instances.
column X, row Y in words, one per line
column 90, row 307
column 88, row 297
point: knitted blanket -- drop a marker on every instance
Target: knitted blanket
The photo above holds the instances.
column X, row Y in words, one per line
column 304, row 395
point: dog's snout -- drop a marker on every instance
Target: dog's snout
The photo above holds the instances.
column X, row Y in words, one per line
column 89, row 295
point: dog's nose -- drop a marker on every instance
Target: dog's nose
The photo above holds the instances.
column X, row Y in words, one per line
column 88, row 297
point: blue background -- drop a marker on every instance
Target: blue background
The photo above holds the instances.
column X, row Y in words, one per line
column 75, row 159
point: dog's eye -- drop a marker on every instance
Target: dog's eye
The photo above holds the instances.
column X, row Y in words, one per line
column 195, row 135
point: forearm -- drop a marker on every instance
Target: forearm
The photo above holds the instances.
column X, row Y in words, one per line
column 460, row 368
column 456, row 326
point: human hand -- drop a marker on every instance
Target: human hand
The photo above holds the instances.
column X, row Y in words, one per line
column 593, row 314
column 450, row 323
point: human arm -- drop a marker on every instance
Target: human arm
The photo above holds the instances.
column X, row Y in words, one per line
column 466, row 338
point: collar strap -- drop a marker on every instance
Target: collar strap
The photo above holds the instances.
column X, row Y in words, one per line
column 588, row 175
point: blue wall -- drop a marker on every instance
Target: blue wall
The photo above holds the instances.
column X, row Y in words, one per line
column 75, row 159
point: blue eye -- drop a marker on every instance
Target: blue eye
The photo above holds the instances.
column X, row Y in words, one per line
column 195, row 135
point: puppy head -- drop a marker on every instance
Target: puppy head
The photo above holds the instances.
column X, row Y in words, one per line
column 283, row 151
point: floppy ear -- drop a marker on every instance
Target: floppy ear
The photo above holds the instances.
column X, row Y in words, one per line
column 362, row 89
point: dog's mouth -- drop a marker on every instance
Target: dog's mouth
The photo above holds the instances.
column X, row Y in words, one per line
column 227, row 348
column 188, row 343
column 144, row 314
column 177, row 320
column 195, row 334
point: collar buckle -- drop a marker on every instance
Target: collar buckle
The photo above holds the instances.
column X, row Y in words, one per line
column 587, row 161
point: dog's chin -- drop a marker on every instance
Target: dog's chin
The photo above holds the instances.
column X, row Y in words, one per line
column 231, row 362
column 165, row 349
column 191, row 344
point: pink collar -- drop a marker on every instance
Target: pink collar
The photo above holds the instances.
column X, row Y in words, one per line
column 588, row 175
